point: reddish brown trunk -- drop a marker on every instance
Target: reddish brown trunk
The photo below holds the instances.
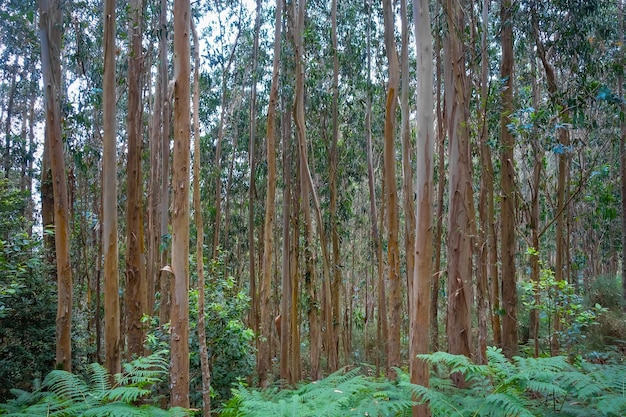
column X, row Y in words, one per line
column 179, row 336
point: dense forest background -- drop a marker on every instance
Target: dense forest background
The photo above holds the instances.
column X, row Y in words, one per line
column 255, row 194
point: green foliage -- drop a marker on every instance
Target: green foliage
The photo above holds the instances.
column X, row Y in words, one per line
column 521, row 387
column 344, row 393
column 524, row 387
column 229, row 341
column 559, row 299
column 27, row 313
column 65, row 394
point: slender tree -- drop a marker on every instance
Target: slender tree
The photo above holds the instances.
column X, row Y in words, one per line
column 507, row 231
column 334, row 224
column 391, row 196
column 264, row 363
column 422, row 276
column 164, row 308
column 461, row 211
column 50, row 28
column 197, row 208
column 135, row 291
column 179, row 337
column 109, row 199
column 407, row 170
column 254, row 302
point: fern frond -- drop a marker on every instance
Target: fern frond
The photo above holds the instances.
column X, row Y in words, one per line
column 117, row 409
column 144, row 371
column 66, row 385
column 439, row 403
column 458, row 363
column 126, row 394
column 99, row 379
column 612, row 405
column 505, row 405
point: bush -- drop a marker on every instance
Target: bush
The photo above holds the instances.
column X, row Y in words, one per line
column 27, row 315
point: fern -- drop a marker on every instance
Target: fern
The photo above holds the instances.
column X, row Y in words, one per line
column 64, row 394
column 344, row 393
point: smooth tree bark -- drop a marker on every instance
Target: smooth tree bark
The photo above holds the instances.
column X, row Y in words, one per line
column 391, row 195
column 109, row 199
column 507, row 231
column 407, row 170
column 461, row 210
column 179, row 330
column 334, row 222
column 165, row 283
column 441, row 183
column 197, row 207
column 136, row 289
column 254, row 301
column 50, row 27
column 264, row 362
column 286, row 312
column 382, row 330
column 424, row 193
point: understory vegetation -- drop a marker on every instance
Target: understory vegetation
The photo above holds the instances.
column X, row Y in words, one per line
column 522, row 387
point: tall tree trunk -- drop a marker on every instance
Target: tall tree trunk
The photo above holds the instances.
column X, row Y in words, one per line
column 422, row 277
column 286, row 300
column 294, row 253
column 382, row 331
column 264, row 362
column 197, row 207
column 441, row 183
column 152, row 266
column 165, row 284
column 50, row 25
column 254, row 301
column 109, row 199
column 534, row 219
column 334, row 222
column 179, row 338
column 135, row 291
column 407, row 170
column 290, row 245
column 461, row 211
column 486, row 192
column 509, row 290
column 307, row 180
column 391, row 196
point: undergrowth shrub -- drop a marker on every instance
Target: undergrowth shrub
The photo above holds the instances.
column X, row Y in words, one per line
column 97, row 394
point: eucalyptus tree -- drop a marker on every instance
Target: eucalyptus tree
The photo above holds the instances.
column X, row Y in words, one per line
column 508, row 204
column 50, row 32
column 136, row 288
column 461, row 210
column 391, row 194
column 179, row 336
column 264, row 363
column 199, row 220
column 424, row 190
column 109, row 198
